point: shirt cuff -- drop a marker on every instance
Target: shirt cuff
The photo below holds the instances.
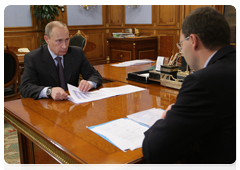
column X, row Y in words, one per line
column 43, row 93
column 93, row 84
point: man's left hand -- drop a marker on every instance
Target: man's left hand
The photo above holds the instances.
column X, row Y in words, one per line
column 84, row 86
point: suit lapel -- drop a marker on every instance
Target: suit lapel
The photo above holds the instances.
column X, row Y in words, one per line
column 49, row 64
column 68, row 64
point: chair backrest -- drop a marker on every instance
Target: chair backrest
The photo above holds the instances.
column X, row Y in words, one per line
column 79, row 39
column 11, row 68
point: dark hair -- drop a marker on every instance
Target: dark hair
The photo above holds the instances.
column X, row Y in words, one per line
column 210, row 26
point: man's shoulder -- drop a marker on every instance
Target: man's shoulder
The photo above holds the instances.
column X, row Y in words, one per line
column 37, row 51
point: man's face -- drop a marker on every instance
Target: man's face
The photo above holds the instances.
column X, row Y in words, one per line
column 187, row 52
column 59, row 40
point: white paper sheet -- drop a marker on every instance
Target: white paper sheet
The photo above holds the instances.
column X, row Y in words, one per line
column 132, row 62
column 160, row 61
column 121, row 89
column 78, row 97
column 147, row 117
column 124, row 133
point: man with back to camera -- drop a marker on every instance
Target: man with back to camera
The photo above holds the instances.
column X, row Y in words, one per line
column 204, row 113
column 41, row 78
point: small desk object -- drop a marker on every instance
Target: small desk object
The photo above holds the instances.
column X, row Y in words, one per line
column 111, row 73
column 132, row 48
column 56, row 131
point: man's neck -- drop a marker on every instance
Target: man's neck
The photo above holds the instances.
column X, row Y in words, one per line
column 206, row 56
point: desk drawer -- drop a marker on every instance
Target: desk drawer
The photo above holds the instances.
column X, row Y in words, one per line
column 121, row 55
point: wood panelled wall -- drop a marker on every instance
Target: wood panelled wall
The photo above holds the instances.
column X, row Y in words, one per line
column 166, row 25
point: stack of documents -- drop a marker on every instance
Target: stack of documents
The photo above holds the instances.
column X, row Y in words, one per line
column 78, row 97
column 133, row 62
column 128, row 133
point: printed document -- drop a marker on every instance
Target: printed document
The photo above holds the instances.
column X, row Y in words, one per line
column 78, row 97
column 128, row 133
column 123, row 133
column 147, row 117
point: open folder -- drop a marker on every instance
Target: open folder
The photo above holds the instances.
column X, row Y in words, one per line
column 128, row 133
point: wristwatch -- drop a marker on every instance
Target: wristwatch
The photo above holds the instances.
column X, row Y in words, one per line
column 49, row 92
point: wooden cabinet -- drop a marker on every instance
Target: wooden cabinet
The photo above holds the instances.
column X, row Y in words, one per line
column 125, row 49
column 165, row 23
column 121, row 55
column 168, row 16
column 167, row 42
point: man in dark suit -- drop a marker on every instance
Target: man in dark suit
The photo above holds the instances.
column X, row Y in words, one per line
column 204, row 114
column 41, row 77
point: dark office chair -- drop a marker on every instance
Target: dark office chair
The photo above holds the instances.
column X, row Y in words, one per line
column 79, row 39
column 11, row 72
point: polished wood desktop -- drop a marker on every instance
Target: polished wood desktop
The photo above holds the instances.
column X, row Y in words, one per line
column 56, row 131
column 111, row 73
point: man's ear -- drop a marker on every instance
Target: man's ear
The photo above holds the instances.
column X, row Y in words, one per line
column 46, row 38
column 195, row 41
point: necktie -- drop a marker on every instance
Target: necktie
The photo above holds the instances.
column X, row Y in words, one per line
column 61, row 73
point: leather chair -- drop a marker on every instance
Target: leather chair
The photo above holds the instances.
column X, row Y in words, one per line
column 79, row 39
column 11, row 74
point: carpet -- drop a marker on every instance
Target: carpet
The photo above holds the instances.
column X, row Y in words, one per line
column 11, row 148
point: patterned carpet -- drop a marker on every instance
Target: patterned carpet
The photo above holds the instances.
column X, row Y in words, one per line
column 11, row 149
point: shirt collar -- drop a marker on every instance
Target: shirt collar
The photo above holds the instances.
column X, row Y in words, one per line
column 206, row 63
column 52, row 54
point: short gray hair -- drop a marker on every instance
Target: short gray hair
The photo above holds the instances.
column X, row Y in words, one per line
column 51, row 25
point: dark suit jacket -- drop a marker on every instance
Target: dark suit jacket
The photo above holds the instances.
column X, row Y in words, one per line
column 40, row 70
column 204, row 113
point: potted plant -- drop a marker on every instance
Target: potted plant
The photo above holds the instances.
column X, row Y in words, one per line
column 44, row 14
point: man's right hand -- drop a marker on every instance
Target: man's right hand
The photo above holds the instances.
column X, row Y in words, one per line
column 58, row 94
column 165, row 112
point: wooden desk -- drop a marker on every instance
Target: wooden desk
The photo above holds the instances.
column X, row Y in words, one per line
column 111, row 73
column 125, row 49
column 55, row 131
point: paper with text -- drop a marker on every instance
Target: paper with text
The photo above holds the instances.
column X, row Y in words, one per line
column 78, row 97
column 147, row 117
column 123, row 133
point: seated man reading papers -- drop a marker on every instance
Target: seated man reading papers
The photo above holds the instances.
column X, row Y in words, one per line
column 48, row 69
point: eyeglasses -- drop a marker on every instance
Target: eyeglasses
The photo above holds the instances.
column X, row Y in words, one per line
column 179, row 45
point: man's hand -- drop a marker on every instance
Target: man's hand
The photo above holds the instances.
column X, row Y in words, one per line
column 59, row 94
column 165, row 112
column 84, row 86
